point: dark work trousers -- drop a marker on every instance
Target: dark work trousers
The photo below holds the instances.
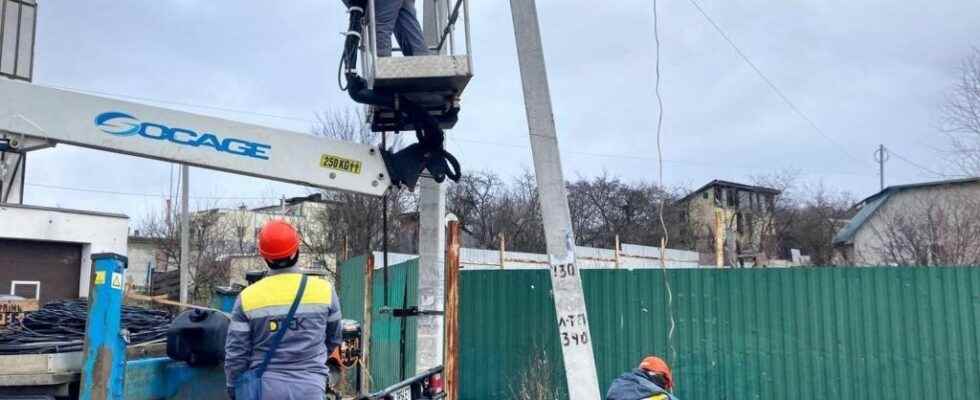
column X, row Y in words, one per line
column 399, row 17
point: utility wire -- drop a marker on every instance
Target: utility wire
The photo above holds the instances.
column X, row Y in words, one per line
column 772, row 85
column 179, row 103
column 672, row 356
column 150, row 195
column 920, row 166
column 456, row 138
column 644, row 158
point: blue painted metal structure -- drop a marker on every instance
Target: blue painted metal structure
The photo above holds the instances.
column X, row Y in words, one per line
column 224, row 299
column 162, row 378
column 104, row 365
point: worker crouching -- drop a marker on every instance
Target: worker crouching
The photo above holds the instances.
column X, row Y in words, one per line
column 283, row 327
column 651, row 380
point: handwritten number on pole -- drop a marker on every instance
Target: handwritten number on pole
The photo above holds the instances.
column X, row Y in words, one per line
column 564, row 270
column 574, row 330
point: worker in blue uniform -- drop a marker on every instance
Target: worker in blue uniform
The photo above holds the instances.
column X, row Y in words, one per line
column 651, row 380
column 398, row 17
column 297, row 368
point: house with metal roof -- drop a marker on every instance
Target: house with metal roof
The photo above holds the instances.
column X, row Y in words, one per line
column 929, row 223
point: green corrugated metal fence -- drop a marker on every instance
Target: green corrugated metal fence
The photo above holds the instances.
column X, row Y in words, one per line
column 846, row 333
column 386, row 335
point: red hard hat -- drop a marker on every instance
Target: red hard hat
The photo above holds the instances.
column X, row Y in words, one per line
column 278, row 240
column 658, row 366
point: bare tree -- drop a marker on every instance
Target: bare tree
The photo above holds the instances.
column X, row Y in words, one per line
column 804, row 216
column 211, row 241
column 605, row 207
column 602, row 208
column 162, row 228
column 823, row 212
column 930, row 228
column 961, row 116
column 488, row 208
column 782, row 220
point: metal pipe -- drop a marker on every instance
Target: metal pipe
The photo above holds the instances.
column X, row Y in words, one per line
column 23, row 177
column 3, row 20
column 373, row 45
column 104, row 365
column 185, row 233
column 452, row 38
column 20, row 18
column 466, row 25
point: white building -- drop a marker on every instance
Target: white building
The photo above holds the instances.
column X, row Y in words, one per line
column 45, row 253
column 230, row 236
column 927, row 223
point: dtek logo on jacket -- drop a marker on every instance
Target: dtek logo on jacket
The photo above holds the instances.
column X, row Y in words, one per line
column 294, row 325
column 122, row 124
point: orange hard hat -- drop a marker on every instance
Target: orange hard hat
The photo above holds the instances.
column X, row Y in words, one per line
column 658, row 366
column 278, row 240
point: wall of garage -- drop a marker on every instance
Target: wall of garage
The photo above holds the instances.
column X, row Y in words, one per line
column 24, row 230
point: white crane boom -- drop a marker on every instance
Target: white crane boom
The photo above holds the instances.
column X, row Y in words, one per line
column 33, row 116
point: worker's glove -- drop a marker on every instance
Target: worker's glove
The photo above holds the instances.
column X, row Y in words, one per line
column 231, row 393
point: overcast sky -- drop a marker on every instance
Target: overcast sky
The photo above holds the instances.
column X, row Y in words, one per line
column 866, row 72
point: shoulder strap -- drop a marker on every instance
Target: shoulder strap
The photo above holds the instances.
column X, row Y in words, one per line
column 283, row 327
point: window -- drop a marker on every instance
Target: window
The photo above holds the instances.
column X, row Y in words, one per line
column 717, row 195
column 732, row 198
column 704, row 194
column 26, row 289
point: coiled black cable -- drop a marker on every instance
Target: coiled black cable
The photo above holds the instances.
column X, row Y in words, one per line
column 59, row 327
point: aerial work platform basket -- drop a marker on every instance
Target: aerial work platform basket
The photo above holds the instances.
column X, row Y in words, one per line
column 434, row 82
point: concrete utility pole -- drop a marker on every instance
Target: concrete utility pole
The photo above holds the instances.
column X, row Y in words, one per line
column 432, row 286
column 185, row 233
column 566, row 281
column 432, row 234
column 881, row 156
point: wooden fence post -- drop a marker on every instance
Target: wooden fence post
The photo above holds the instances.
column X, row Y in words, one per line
column 451, row 345
column 365, row 377
column 616, row 251
column 503, row 250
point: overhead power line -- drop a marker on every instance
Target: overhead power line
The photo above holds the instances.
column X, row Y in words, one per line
column 181, row 103
column 609, row 156
column 451, row 138
column 920, row 166
column 772, row 85
column 135, row 194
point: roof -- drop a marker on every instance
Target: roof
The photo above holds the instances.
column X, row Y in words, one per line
column 729, row 184
column 313, row 198
column 64, row 210
column 897, row 188
column 869, row 206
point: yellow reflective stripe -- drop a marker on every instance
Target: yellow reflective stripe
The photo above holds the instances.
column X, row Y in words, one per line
column 657, row 397
column 280, row 290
